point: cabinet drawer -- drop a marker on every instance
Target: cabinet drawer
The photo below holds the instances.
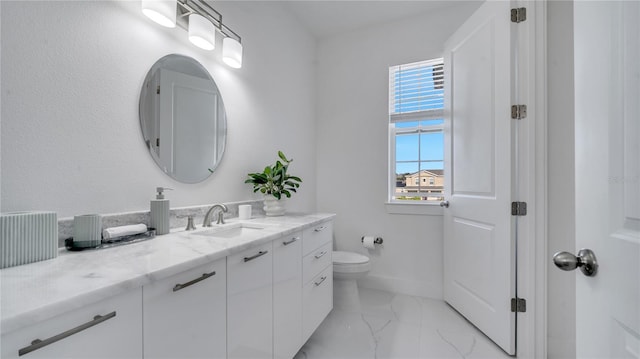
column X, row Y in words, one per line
column 316, row 261
column 185, row 314
column 317, row 301
column 316, row 236
column 117, row 333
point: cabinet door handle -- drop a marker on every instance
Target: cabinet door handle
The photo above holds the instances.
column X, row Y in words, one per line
column 286, row 243
column 260, row 254
column 192, row 282
column 318, row 256
column 319, row 229
column 37, row 344
column 321, row 280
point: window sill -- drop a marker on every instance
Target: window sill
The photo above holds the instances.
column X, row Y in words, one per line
column 425, row 209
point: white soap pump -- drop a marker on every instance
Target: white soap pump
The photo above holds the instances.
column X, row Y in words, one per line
column 160, row 212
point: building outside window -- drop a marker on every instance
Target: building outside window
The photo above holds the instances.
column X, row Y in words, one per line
column 416, row 138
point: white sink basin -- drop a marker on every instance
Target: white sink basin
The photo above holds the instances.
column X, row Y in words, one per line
column 233, row 230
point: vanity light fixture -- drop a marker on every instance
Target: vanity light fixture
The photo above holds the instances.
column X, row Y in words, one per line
column 201, row 21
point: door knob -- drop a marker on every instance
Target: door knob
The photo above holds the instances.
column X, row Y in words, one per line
column 586, row 260
column 444, row 204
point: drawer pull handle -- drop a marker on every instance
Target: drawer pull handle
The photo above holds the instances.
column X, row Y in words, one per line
column 319, row 229
column 321, row 280
column 318, row 256
column 286, row 243
column 260, row 254
column 37, row 344
column 192, row 282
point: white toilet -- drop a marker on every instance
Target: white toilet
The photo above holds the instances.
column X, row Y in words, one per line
column 347, row 268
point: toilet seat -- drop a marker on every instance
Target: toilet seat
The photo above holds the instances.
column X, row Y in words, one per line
column 346, row 258
column 350, row 263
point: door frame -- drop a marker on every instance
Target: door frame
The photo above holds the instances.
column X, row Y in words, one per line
column 532, row 157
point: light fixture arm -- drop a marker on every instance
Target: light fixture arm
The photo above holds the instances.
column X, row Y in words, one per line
column 200, row 7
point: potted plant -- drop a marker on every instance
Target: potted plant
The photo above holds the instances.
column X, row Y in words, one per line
column 274, row 182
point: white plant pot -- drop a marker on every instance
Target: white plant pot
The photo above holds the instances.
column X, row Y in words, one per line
column 273, row 206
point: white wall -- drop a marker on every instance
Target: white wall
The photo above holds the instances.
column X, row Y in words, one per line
column 561, row 286
column 71, row 78
column 353, row 80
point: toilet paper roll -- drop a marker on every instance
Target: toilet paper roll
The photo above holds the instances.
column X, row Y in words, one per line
column 368, row 242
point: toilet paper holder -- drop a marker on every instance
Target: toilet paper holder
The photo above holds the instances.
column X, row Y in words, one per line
column 378, row 240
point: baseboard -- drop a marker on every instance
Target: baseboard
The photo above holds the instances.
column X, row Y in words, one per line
column 402, row 286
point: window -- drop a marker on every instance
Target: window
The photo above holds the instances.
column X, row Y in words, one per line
column 416, row 138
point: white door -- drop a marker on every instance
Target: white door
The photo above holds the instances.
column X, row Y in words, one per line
column 479, row 251
column 607, row 110
column 187, row 125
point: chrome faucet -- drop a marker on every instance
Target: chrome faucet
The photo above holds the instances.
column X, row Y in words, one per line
column 207, row 217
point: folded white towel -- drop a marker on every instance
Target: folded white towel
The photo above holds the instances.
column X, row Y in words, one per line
column 114, row 232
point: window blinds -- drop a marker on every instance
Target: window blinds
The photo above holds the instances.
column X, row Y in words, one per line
column 417, row 91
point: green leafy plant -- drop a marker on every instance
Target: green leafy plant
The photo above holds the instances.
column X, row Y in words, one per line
column 275, row 180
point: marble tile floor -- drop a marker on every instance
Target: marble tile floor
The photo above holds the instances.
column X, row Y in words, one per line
column 388, row 325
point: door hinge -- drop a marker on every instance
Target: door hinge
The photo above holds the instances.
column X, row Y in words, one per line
column 519, row 15
column 518, row 305
column 158, row 90
column 158, row 142
column 518, row 208
column 518, row 112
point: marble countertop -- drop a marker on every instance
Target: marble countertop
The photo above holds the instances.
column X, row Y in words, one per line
column 39, row 291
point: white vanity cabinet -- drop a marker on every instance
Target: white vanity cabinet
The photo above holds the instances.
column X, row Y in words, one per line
column 287, row 296
column 263, row 300
column 250, row 303
column 185, row 314
column 111, row 328
column 317, row 290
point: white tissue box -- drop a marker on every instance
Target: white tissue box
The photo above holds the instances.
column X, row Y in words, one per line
column 27, row 237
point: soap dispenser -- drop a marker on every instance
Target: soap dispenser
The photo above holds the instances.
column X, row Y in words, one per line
column 160, row 212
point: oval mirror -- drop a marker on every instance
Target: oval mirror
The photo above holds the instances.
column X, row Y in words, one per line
column 182, row 117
